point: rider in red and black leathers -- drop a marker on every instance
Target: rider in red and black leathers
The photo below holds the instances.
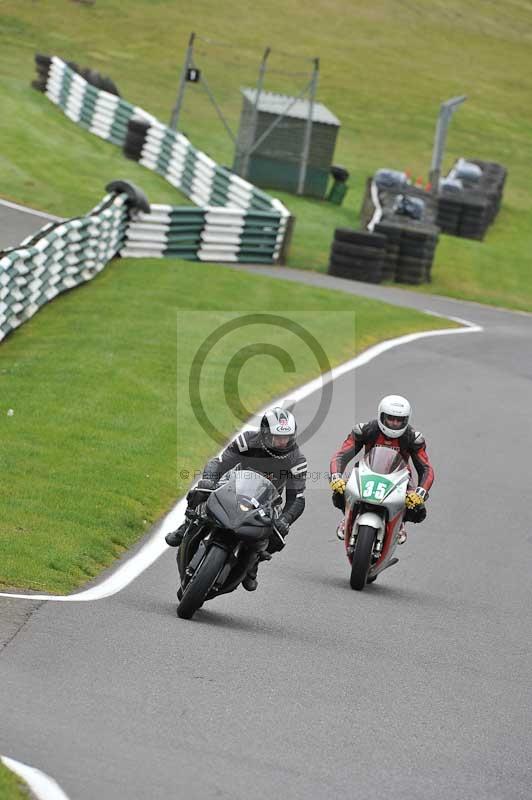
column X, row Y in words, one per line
column 411, row 445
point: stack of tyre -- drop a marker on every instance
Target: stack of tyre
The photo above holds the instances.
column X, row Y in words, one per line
column 470, row 198
column 357, row 255
column 464, row 213
column 409, row 252
column 392, row 231
column 416, row 253
column 42, row 66
column 492, row 185
column 137, row 129
column 92, row 76
column 474, row 219
column 450, row 206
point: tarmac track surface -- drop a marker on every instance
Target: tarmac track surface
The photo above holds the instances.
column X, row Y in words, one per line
column 17, row 222
column 417, row 688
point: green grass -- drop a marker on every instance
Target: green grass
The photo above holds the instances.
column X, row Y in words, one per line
column 385, row 67
column 11, row 787
column 102, row 425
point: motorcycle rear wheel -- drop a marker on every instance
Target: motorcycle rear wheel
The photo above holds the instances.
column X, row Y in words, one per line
column 201, row 582
column 362, row 556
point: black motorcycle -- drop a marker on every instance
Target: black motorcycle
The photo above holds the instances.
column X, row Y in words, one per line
column 225, row 537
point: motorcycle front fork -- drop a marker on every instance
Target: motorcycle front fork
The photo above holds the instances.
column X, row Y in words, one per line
column 353, row 540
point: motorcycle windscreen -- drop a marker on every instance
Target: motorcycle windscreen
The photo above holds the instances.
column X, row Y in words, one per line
column 384, row 460
column 239, row 497
column 256, row 488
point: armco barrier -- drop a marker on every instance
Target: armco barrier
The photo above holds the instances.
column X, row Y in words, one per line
column 63, row 255
column 253, row 226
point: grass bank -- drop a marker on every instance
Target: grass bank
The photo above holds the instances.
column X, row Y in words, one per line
column 98, row 435
column 11, row 787
column 385, row 67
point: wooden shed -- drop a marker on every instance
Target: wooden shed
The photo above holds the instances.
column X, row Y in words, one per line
column 276, row 162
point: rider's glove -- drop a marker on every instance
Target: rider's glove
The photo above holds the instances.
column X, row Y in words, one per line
column 337, row 483
column 279, row 530
column 281, row 526
column 206, row 483
column 199, row 494
column 415, row 499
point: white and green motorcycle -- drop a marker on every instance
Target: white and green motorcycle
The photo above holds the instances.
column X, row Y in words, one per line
column 374, row 510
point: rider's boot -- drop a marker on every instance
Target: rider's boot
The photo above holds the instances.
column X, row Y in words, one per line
column 174, row 538
column 250, row 581
column 340, row 530
column 401, row 539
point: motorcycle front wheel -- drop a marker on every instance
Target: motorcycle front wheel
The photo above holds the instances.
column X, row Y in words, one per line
column 201, row 582
column 362, row 556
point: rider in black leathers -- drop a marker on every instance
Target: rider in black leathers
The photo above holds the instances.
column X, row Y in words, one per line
column 272, row 451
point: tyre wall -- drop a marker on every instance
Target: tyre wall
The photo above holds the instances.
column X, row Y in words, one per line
column 469, row 213
column 63, row 255
column 394, row 247
column 231, row 236
column 357, row 255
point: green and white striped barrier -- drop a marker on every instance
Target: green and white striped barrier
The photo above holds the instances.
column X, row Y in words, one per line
column 59, row 257
column 209, row 234
column 235, row 221
column 100, row 112
column 193, row 172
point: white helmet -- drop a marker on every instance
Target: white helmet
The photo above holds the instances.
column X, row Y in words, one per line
column 278, row 431
column 393, row 415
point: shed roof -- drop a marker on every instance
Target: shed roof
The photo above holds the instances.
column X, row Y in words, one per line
column 273, row 103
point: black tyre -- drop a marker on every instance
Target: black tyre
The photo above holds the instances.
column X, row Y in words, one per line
column 356, row 274
column 139, row 125
column 108, row 85
column 450, row 230
column 408, row 263
column 416, row 237
column 40, row 58
column 413, row 280
column 362, row 557
column 364, row 238
column 355, row 263
column 392, row 232
column 413, row 251
column 445, row 218
column 356, row 250
column 137, row 198
column 351, row 275
column 201, row 582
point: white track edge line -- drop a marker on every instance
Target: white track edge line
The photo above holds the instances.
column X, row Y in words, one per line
column 150, row 552
column 42, row 786
column 32, row 211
